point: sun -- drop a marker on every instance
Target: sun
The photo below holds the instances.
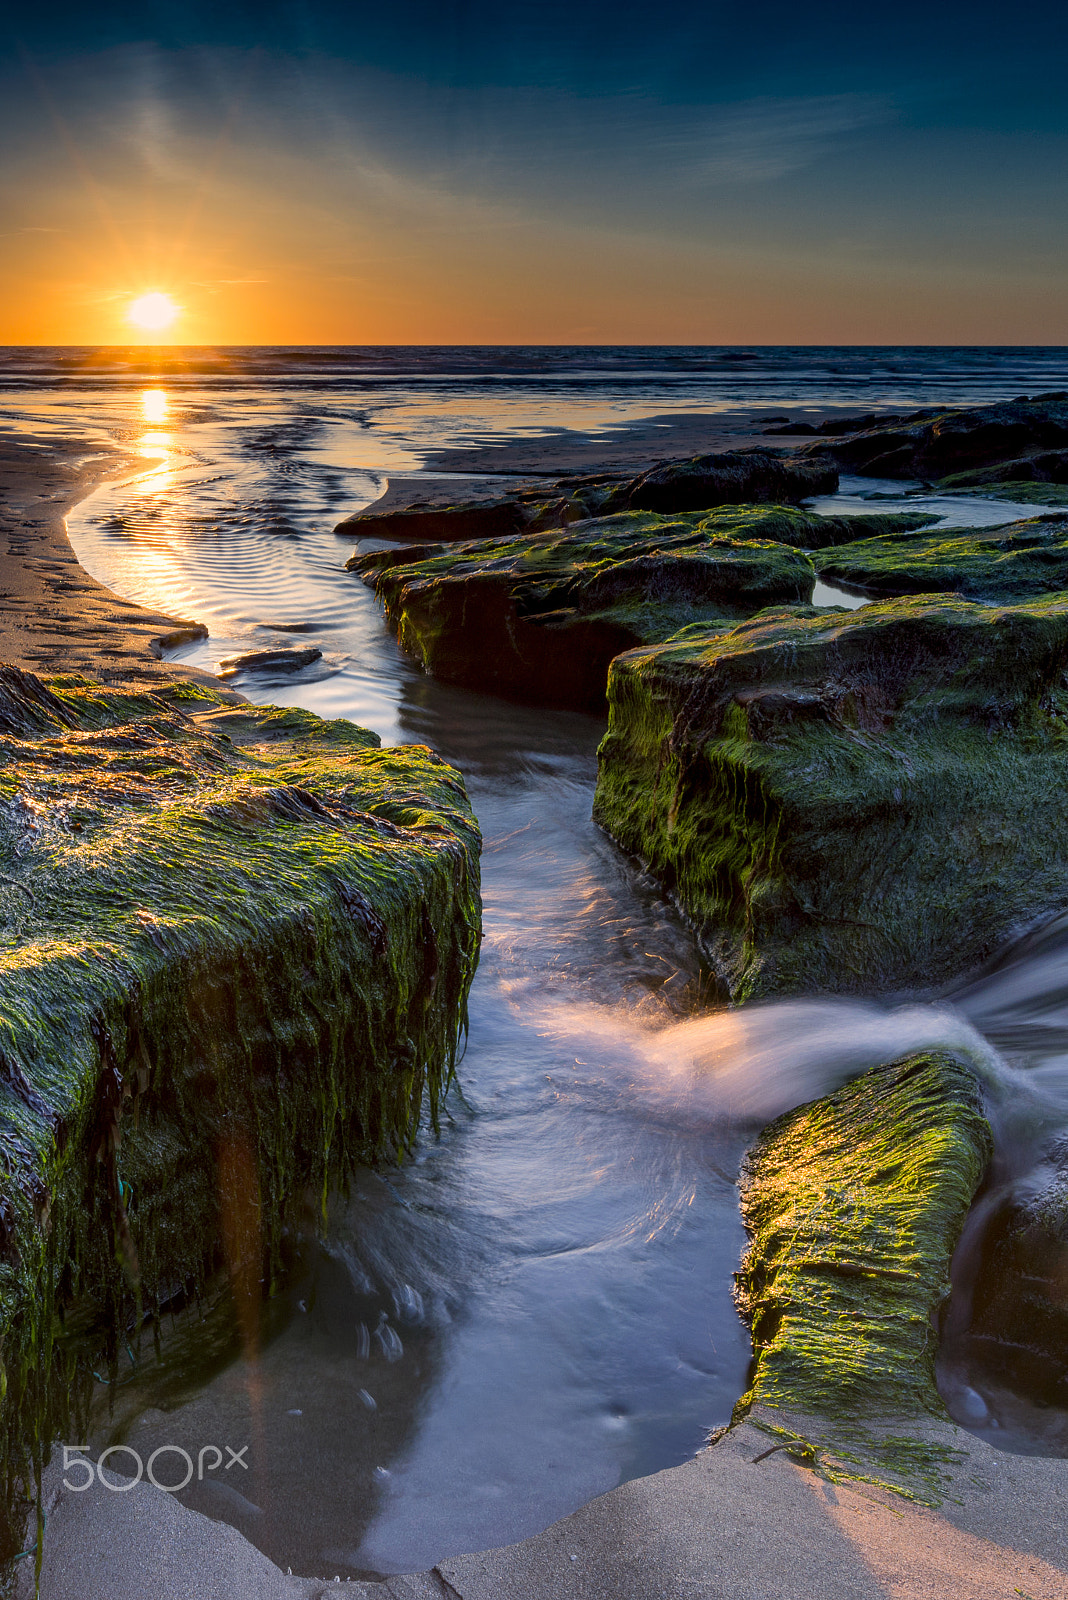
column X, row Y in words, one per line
column 153, row 312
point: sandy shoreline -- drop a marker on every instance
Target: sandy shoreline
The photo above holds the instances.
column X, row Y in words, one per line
column 55, row 618
column 740, row 1521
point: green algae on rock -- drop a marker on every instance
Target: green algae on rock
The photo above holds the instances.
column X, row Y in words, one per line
column 540, row 618
column 808, row 531
column 1019, row 491
column 235, row 953
column 1046, row 472
column 1016, row 561
column 530, row 512
column 805, row 530
column 854, row 1204
column 848, row 802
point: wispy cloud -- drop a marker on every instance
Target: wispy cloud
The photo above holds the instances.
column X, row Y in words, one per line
column 760, row 140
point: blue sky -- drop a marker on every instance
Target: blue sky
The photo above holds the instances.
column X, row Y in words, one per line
column 458, row 171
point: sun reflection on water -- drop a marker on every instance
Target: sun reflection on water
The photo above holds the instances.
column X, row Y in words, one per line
column 156, row 447
column 154, row 405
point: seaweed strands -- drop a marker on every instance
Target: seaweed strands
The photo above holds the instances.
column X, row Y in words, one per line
column 853, row 1205
column 240, row 967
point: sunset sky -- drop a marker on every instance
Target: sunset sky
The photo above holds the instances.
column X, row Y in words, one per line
column 536, row 172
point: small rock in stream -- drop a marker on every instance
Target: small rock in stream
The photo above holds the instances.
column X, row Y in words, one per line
column 269, row 661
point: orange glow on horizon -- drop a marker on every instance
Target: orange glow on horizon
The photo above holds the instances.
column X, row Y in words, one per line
column 239, row 285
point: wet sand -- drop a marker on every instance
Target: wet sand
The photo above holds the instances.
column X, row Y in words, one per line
column 55, row 618
column 740, row 1521
column 627, row 449
column 485, row 472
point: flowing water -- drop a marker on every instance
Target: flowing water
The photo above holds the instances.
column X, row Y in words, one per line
column 538, row 1306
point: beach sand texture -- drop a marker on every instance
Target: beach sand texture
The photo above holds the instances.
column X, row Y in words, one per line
column 54, row 617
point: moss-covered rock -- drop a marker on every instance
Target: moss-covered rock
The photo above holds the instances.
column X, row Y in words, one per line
column 940, row 443
column 804, row 530
column 1047, row 469
column 235, row 950
column 1018, row 561
column 848, row 802
column 535, row 511
column 540, row 618
column 1022, row 492
column 854, row 1205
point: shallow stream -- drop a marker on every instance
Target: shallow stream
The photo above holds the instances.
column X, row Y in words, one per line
column 539, row 1305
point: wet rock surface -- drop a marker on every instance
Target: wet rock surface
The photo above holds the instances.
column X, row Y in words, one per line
column 235, row 949
column 540, row 618
column 1027, row 439
column 729, row 477
column 269, row 661
column 474, row 519
column 1046, row 467
column 1018, row 561
column 1019, row 1313
column 854, row 802
column 807, row 531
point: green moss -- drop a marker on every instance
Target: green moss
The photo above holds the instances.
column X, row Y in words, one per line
column 567, row 558
column 807, row 531
column 235, row 950
column 1016, row 561
column 845, row 1449
column 1023, row 491
column 539, row 618
column 919, row 1458
column 848, row 801
column 854, row 1205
